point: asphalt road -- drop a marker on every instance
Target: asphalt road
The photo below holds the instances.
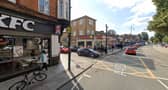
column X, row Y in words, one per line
column 146, row 71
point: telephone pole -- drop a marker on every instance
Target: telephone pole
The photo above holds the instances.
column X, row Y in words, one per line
column 69, row 38
column 106, row 39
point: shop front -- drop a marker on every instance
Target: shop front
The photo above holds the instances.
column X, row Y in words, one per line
column 22, row 38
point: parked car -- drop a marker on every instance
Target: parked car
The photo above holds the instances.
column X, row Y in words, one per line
column 135, row 46
column 64, row 49
column 74, row 49
column 88, row 52
column 130, row 51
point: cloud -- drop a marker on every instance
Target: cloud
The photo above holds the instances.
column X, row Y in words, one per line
column 143, row 8
column 119, row 4
column 138, row 21
column 142, row 13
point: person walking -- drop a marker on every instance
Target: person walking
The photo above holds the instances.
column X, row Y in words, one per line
column 44, row 59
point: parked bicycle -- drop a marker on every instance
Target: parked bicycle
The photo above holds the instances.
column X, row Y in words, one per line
column 38, row 75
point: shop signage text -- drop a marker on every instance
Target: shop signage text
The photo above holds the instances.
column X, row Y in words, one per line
column 14, row 21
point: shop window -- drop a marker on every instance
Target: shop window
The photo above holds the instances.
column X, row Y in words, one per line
column 44, row 6
column 5, row 48
column 13, row 1
column 81, row 44
column 89, row 44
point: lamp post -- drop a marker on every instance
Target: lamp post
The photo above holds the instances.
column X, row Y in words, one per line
column 69, row 38
column 106, row 39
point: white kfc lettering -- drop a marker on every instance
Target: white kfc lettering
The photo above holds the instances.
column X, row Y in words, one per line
column 2, row 24
column 16, row 22
column 25, row 25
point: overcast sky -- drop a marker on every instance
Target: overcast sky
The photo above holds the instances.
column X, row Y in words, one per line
column 119, row 15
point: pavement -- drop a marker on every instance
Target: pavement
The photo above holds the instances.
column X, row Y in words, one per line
column 161, row 49
column 58, row 75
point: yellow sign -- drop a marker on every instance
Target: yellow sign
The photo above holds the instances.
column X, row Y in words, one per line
column 68, row 29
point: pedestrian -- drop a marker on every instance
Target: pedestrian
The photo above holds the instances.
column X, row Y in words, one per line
column 44, row 60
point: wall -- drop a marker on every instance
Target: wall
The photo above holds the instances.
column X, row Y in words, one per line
column 33, row 4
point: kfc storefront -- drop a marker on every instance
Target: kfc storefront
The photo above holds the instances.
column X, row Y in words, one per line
column 20, row 34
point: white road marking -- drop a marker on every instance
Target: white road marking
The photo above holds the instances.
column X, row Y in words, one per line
column 162, row 78
column 86, row 75
column 163, row 84
column 75, row 83
column 120, row 68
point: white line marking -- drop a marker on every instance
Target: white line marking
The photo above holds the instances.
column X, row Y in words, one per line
column 163, row 84
column 75, row 83
column 162, row 78
column 86, row 75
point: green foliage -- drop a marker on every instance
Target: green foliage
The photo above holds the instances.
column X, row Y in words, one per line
column 144, row 36
column 152, row 39
column 155, row 40
column 160, row 20
column 165, row 39
column 159, row 36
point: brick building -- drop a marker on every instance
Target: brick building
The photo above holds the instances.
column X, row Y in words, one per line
column 26, row 26
column 83, row 31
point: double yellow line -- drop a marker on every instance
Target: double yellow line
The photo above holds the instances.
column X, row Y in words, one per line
column 147, row 69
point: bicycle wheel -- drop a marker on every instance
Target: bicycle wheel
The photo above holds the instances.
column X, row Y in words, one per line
column 18, row 85
column 40, row 76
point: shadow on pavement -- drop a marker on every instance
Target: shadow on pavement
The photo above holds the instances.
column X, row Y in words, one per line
column 72, row 84
column 56, row 76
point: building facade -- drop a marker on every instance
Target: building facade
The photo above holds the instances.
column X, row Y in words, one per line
column 83, row 31
column 26, row 27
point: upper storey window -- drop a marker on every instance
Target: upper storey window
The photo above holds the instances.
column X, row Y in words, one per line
column 43, row 6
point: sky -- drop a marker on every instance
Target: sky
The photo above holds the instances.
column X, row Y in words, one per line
column 119, row 15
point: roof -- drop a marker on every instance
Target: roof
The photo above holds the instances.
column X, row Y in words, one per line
column 83, row 17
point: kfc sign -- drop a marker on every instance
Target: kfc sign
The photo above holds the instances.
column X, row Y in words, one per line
column 13, row 22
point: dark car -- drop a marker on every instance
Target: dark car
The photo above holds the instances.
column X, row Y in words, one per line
column 88, row 52
column 74, row 49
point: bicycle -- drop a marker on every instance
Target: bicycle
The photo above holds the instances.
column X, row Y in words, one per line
column 20, row 85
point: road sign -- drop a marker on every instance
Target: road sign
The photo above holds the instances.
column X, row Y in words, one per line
column 68, row 29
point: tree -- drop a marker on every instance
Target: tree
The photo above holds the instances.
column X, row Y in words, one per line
column 155, row 40
column 160, row 19
column 111, row 32
column 140, row 37
column 159, row 36
column 152, row 39
column 165, row 39
column 144, row 36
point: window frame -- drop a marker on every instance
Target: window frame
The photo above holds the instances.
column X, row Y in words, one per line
column 13, row 1
column 44, row 6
